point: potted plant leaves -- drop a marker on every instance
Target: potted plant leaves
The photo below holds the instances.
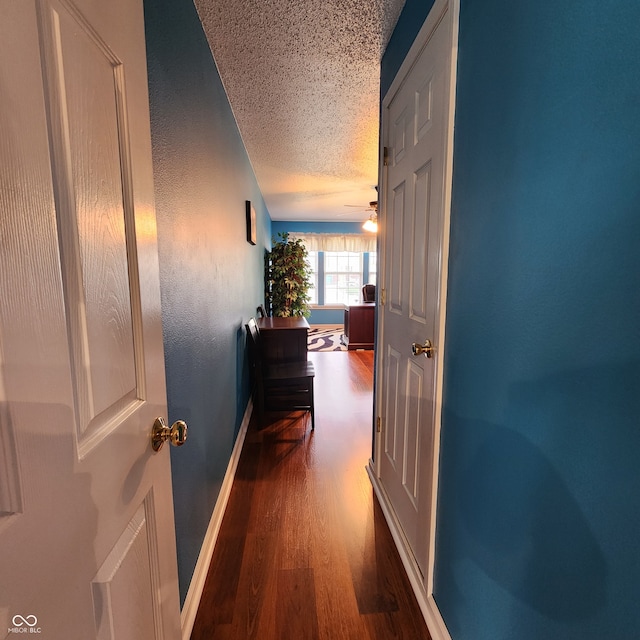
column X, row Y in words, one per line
column 287, row 278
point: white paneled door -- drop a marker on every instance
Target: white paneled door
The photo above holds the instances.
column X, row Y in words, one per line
column 86, row 515
column 415, row 133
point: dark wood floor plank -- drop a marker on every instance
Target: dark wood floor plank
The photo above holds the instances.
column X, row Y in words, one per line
column 296, row 605
column 297, row 515
column 236, row 517
column 304, row 550
column 255, row 602
column 218, row 600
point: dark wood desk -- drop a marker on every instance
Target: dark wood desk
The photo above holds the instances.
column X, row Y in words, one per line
column 283, row 339
column 359, row 322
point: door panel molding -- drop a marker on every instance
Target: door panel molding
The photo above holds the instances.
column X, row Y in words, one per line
column 11, row 500
column 424, row 109
column 420, row 238
column 396, row 252
column 413, row 418
column 392, row 416
column 133, row 562
column 96, row 244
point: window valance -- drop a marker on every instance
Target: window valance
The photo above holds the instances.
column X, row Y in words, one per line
column 354, row 242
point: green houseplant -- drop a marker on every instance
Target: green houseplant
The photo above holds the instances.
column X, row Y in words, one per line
column 287, row 278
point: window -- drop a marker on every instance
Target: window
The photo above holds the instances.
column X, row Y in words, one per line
column 312, row 261
column 337, row 277
column 373, row 268
column 342, row 277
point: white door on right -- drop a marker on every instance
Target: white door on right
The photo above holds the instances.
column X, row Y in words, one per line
column 415, row 133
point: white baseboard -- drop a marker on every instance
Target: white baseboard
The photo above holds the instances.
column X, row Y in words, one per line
column 426, row 602
column 196, row 587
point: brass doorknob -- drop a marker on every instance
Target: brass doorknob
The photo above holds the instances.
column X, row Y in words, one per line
column 427, row 348
column 176, row 434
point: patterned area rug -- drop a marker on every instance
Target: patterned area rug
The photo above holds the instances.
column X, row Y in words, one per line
column 326, row 338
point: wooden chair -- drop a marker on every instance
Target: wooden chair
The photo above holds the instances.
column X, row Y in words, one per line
column 279, row 387
column 369, row 293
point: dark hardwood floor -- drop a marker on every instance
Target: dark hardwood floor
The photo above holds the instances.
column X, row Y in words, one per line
column 304, row 550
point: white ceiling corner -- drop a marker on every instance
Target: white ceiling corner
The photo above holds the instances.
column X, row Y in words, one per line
column 303, row 78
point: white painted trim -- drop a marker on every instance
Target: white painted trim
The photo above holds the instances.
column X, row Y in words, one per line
column 428, row 607
column 422, row 586
column 454, row 7
column 328, row 307
column 196, row 587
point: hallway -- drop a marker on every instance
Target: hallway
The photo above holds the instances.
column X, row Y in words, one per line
column 304, row 551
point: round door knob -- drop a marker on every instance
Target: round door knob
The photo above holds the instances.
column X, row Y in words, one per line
column 427, row 348
column 176, row 434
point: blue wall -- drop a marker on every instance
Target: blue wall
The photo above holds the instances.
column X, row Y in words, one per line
column 280, row 226
column 211, row 278
column 538, row 519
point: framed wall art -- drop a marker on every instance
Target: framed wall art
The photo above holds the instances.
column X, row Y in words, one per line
column 251, row 223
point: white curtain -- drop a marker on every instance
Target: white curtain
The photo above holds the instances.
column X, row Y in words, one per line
column 354, row 242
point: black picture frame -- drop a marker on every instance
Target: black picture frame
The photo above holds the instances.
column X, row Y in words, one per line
column 252, row 235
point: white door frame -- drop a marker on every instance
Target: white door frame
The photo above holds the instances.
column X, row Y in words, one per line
column 422, row 587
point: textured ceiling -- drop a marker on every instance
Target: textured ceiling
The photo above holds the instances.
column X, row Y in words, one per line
column 302, row 78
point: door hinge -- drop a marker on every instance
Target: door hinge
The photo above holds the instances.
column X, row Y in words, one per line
column 383, row 297
column 385, row 156
column 378, row 424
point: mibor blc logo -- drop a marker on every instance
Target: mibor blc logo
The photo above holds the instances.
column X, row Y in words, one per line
column 24, row 624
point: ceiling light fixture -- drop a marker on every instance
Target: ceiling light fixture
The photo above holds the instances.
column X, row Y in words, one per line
column 372, row 223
